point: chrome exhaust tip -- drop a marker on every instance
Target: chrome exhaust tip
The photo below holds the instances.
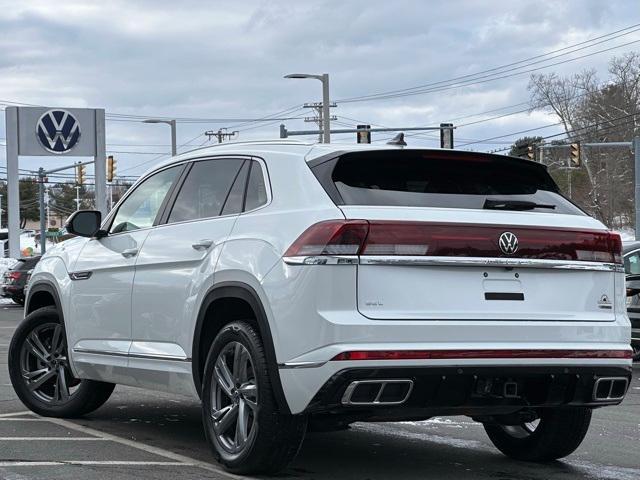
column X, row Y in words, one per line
column 377, row 392
column 606, row 389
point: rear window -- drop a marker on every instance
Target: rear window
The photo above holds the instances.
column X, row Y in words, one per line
column 441, row 179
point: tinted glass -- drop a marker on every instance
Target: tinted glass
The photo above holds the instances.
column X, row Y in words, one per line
column 256, row 188
column 236, row 195
column 205, row 190
column 139, row 210
column 448, row 179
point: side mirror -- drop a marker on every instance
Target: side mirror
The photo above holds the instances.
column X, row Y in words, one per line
column 85, row 223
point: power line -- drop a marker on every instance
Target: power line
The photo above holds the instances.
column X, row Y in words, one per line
column 586, row 127
column 473, row 78
column 112, row 116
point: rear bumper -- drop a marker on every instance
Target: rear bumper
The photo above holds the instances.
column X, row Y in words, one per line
column 10, row 291
column 315, row 387
column 471, row 390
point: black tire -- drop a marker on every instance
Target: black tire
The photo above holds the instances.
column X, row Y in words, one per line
column 272, row 439
column 18, row 300
column 82, row 396
column 560, row 432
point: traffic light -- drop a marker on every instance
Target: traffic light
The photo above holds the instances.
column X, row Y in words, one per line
column 363, row 135
column 531, row 152
column 575, row 159
column 446, row 135
column 81, row 170
column 111, row 168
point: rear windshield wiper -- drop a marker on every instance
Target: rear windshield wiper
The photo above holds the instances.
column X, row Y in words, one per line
column 490, row 204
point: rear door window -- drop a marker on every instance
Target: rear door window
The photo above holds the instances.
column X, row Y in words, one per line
column 205, row 189
column 447, row 179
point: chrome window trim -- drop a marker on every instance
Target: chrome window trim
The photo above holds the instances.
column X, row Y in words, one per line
column 453, row 262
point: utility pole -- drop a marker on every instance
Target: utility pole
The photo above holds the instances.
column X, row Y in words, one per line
column 0, row 211
column 221, row 134
column 43, row 225
column 318, row 108
column 47, row 199
column 77, row 197
column 636, row 157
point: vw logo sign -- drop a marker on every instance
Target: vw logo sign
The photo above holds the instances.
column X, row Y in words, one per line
column 508, row 243
column 58, row 131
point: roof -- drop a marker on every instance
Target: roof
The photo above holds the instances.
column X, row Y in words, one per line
column 310, row 150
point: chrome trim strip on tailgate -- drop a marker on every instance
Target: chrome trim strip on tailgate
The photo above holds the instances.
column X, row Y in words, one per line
column 490, row 262
column 454, row 262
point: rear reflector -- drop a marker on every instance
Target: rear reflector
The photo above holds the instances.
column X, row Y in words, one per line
column 475, row 354
column 362, row 237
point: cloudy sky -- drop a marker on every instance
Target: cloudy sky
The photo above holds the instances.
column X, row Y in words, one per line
column 212, row 62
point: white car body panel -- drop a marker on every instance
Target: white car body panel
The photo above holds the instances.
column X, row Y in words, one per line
column 133, row 321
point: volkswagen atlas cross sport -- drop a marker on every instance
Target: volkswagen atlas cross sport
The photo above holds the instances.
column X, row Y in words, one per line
column 293, row 286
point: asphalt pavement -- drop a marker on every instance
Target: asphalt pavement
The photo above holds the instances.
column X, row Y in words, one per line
column 140, row 435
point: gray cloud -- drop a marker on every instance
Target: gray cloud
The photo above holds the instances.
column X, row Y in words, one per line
column 217, row 59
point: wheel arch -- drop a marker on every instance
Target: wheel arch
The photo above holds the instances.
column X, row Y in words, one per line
column 42, row 294
column 232, row 292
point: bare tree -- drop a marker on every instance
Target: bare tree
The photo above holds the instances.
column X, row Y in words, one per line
column 594, row 111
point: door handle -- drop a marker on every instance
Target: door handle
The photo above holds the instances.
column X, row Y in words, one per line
column 130, row 252
column 202, row 244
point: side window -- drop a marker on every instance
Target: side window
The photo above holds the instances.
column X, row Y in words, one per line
column 140, row 209
column 256, row 188
column 632, row 264
column 205, row 190
column 236, row 195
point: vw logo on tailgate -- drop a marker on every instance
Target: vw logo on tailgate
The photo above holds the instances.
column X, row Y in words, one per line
column 58, row 131
column 508, row 243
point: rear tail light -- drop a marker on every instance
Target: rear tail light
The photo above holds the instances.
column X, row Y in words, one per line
column 362, row 237
column 334, row 237
column 13, row 277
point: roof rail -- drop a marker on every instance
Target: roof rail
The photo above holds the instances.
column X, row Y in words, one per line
column 250, row 142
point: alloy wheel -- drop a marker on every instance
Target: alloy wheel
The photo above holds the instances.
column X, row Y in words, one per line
column 234, row 399
column 522, row 431
column 45, row 366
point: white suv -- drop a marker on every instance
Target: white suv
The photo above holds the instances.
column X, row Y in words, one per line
column 293, row 286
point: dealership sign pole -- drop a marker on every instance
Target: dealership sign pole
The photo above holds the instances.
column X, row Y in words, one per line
column 42, row 131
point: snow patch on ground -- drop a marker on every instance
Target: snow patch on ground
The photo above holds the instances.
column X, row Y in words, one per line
column 389, row 430
column 441, row 422
column 602, row 472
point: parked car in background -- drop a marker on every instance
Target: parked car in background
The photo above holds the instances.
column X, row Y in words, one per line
column 15, row 279
column 631, row 253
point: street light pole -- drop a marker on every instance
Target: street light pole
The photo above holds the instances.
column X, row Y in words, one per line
column 326, row 116
column 172, row 124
